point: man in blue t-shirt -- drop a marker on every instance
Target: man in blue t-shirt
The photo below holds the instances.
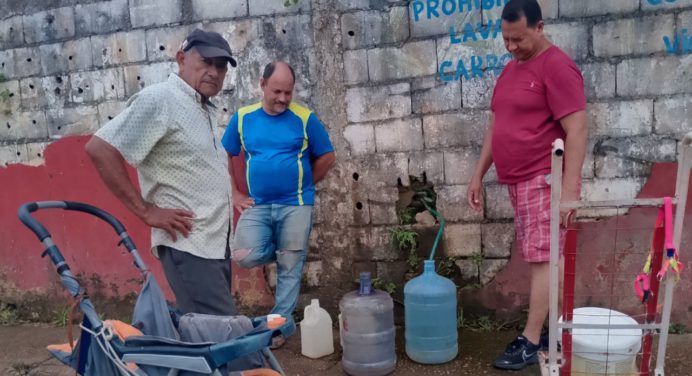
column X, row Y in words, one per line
column 287, row 151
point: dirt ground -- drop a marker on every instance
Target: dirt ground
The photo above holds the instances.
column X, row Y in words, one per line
column 22, row 352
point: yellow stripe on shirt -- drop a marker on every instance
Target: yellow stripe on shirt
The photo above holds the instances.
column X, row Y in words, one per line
column 241, row 115
column 304, row 114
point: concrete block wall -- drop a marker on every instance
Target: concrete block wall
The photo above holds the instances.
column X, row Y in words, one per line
column 403, row 86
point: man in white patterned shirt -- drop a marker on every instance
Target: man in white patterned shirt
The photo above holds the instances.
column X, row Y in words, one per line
column 167, row 132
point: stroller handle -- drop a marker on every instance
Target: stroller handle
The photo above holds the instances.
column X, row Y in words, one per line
column 44, row 236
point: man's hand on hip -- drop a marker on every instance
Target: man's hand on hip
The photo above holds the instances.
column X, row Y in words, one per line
column 170, row 220
column 242, row 201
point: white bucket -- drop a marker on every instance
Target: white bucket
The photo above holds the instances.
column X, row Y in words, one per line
column 604, row 351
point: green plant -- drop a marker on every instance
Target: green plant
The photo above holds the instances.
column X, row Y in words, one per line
column 62, row 317
column 407, row 216
column 404, row 239
column 677, row 328
column 477, row 258
column 288, row 3
column 446, row 267
column 8, row 314
column 485, row 324
column 380, row 284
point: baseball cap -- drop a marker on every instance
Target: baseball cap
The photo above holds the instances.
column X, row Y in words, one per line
column 209, row 44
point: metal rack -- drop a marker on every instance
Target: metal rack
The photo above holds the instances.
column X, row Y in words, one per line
column 560, row 363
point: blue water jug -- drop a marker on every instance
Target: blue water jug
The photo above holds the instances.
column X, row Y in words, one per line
column 431, row 317
column 367, row 331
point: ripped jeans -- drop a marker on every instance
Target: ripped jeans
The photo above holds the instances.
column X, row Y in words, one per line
column 274, row 232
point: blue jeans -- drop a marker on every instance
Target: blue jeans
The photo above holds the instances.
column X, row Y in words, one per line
column 273, row 232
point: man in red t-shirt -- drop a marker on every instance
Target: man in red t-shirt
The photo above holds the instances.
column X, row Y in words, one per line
column 538, row 97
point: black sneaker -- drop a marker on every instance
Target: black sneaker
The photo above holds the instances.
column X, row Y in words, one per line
column 519, row 354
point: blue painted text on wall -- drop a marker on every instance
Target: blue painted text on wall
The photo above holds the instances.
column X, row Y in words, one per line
column 476, row 67
column 430, row 9
column 681, row 43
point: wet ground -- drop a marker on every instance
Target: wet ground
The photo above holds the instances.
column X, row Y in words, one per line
column 22, row 352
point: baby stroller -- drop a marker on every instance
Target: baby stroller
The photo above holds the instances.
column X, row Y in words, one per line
column 160, row 342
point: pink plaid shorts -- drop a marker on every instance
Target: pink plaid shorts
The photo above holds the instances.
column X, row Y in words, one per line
column 531, row 203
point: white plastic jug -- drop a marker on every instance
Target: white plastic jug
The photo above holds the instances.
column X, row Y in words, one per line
column 317, row 339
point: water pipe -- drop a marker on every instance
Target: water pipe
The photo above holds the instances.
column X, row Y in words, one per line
column 439, row 232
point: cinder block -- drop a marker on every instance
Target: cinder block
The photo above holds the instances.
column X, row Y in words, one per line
column 424, row 23
column 497, row 239
column 7, row 61
column 599, row 80
column 139, row 76
column 497, row 203
column 459, row 165
column 374, row 243
column 163, row 43
column 383, row 214
column 102, row 17
column 203, row 10
column 108, row 110
column 34, row 152
column 469, row 271
column 32, row 93
column 288, row 32
column 238, row 33
column 632, row 156
column 430, row 163
column 431, row 95
column 571, row 38
column 355, row 66
column 50, row 25
column 385, row 170
column 489, row 269
column 56, row 90
column 399, row 135
column 27, row 62
column 470, row 60
column 454, row 130
column 12, row 154
column 363, row 4
column 264, row 8
column 673, row 116
column 52, row 59
column 81, row 120
column 155, row 12
column 11, row 32
column 361, row 139
column 611, row 189
column 654, row 5
column 118, row 48
column 585, row 8
column 619, row 119
column 478, row 92
column 373, row 28
column 462, row 240
column 11, row 101
column 632, row 36
column 23, row 126
column 107, row 84
column 413, row 59
column 654, row 76
column 78, row 54
column 451, row 202
column 378, row 103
